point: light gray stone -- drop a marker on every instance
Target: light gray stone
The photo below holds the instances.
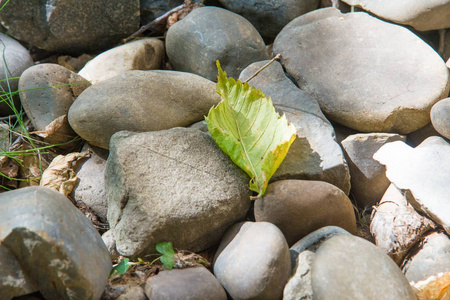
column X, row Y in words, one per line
column 269, row 17
column 421, row 174
column 14, row 59
column 141, row 101
column 353, row 77
column 134, row 292
column 431, row 258
column 172, row 185
column 71, row 26
column 423, row 15
column 314, row 154
column 191, row 283
column 368, row 176
column 299, row 286
column 55, row 244
column 143, row 54
column 252, row 261
column 209, row 34
column 396, row 226
column 440, row 117
column 298, row 207
column 349, row 267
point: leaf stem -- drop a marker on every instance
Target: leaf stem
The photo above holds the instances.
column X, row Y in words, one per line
column 278, row 56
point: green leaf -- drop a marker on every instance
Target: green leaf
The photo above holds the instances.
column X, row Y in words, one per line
column 167, row 258
column 122, row 267
column 247, row 128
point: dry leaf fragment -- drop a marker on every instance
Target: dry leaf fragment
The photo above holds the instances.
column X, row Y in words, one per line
column 433, row 288
column 60, row 175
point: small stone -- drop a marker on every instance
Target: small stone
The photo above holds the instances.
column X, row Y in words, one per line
column 252, row 261
column 71, row 26
column 208, row 34
column 431, row 258
column 314, row 155
column 191, row 283
column 143, row 54
column 368, row 176
column 440, row 117
column 396, row 226
column 171, row 185
column 298, row 207
column 421, row 174
column 269, row 17
column 15, row 59
column 56, row 245
column 141, row 101
column 346, row 79
column 110, row 243
column 300, row 286
column 423, row 15
column 349, row 267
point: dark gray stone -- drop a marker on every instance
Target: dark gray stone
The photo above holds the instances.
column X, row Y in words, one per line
column 355, row 49
column 298, row 207
column 252, row 261
column 440, row 117
column 208, row 34
column 151, row 9
column 141, row 101
column 314, row 154
column 14, row 59
column 431, row 258
column 269, row 17
column 57, row 247
column 71, row 26
column 172, row 185
column 349, row 267
column 191, row 283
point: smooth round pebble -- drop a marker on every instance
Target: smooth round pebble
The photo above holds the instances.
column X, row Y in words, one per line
column 440, row 117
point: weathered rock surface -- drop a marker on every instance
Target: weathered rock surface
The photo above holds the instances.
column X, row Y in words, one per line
column 14, row 59
column 269, row 17
column 143, row 54
column 56, row 246
column 396, row 226
column 368, row 176
column 314, row 154
column 298, row 207
column 421, row 174
column 440, row 117
column 141, row 101
column 299, row 285
column 208, row 34
column 431, row 258
column 252, row 261
column 151, row 9
column 173, row 185
column 348, row 267
column 423, row 15
column 360, row 94
column 191, row 283
column 71, row 26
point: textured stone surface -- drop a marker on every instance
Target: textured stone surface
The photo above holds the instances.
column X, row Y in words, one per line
column 348, row 267
column 368, row 176
column 421, row 174
column 71, row 26
column 172, row 185
column 55, row 244
column 314, row 154
column 151, row 9
column 299, row 285
column 431, row 258
column 191, row 283
column 143, row 54
column 396, row 226
column 141, row 101
column 361, row 77
column 423, row 15
column 208, row 34
column 440, row 117
column 269, row 17
column 298, row 207
column 14, row 59
column 252, row 261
